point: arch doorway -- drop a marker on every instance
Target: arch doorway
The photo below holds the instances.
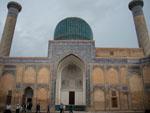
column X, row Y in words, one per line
column 28, row 94
column 70, row 82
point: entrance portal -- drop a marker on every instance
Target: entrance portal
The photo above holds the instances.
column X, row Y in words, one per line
column 28, row 94
column 70, row 82
column 72, row 97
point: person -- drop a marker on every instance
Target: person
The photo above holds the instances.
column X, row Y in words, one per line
column 147, row 111
column 38, row 108
column 70, row 108
column 61, row 108
column 29, row 106
column 23, row 107
column 8, row 109
column 17, row 108
column 64, row 108
column 48, row 108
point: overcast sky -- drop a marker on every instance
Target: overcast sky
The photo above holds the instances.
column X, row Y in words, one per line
column 110, row 20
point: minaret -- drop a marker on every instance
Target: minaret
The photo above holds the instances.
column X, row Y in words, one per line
column 140, row 25
column 5, row 45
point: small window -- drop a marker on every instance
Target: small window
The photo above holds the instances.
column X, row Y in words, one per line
column 114, row 102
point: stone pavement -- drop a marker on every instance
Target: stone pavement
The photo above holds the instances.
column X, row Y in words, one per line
column 92, row 112
column 99, row 112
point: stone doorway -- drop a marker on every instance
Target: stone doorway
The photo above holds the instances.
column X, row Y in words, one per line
column 28, row 95
column 29, row 100
column 71, row 97
column 9, row 97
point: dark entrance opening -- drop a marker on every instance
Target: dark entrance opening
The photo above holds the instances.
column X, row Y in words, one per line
column 8, row 98
column 29, row 100
column 71, row 97
column 28, row 94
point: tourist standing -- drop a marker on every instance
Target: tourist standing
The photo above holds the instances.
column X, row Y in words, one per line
column 17, row 108
column 23, row 108
column 61, row 108
column 48, row 108
column 29, row 106
column 8, row 109
column 38, row 108
column 70, row 108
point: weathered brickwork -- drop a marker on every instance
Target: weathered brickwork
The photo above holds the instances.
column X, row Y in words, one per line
column 122, row 77
column 33, row 75
column 146, row 80
column 119, row 52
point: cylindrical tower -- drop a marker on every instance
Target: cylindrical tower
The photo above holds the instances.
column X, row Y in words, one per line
column 140, row 24
column 13, row 9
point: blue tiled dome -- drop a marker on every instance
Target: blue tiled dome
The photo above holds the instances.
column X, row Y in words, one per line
column 73, row 28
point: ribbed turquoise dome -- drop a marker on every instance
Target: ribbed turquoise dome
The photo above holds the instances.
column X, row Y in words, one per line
column 73, row 28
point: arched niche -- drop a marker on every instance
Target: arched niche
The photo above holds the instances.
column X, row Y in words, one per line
column 42, row 94
column 70, row 81
column 124, row 100
column 112, row 76
column 99, row 99
column 7, row 83
column 97, row 76
column 29, row 75
column 42, row 98
column 43, row 76
column 7, row 86
column 136, row 89
column 135, row 82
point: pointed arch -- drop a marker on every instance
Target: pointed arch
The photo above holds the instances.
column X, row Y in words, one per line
column 99, row 99
column 29, row 75
column 42, row 98
column 112, row 76
column 43, row 76
column 71, row 58
column 71, row 70
column 7, row 86
column 7, row 82
column 136, row 88
column 97, row 76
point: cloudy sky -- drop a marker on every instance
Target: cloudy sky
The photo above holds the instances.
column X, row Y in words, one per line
column 110, row 20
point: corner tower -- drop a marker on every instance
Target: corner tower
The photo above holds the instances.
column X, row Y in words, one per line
column 140, row 24
column 5, row 45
